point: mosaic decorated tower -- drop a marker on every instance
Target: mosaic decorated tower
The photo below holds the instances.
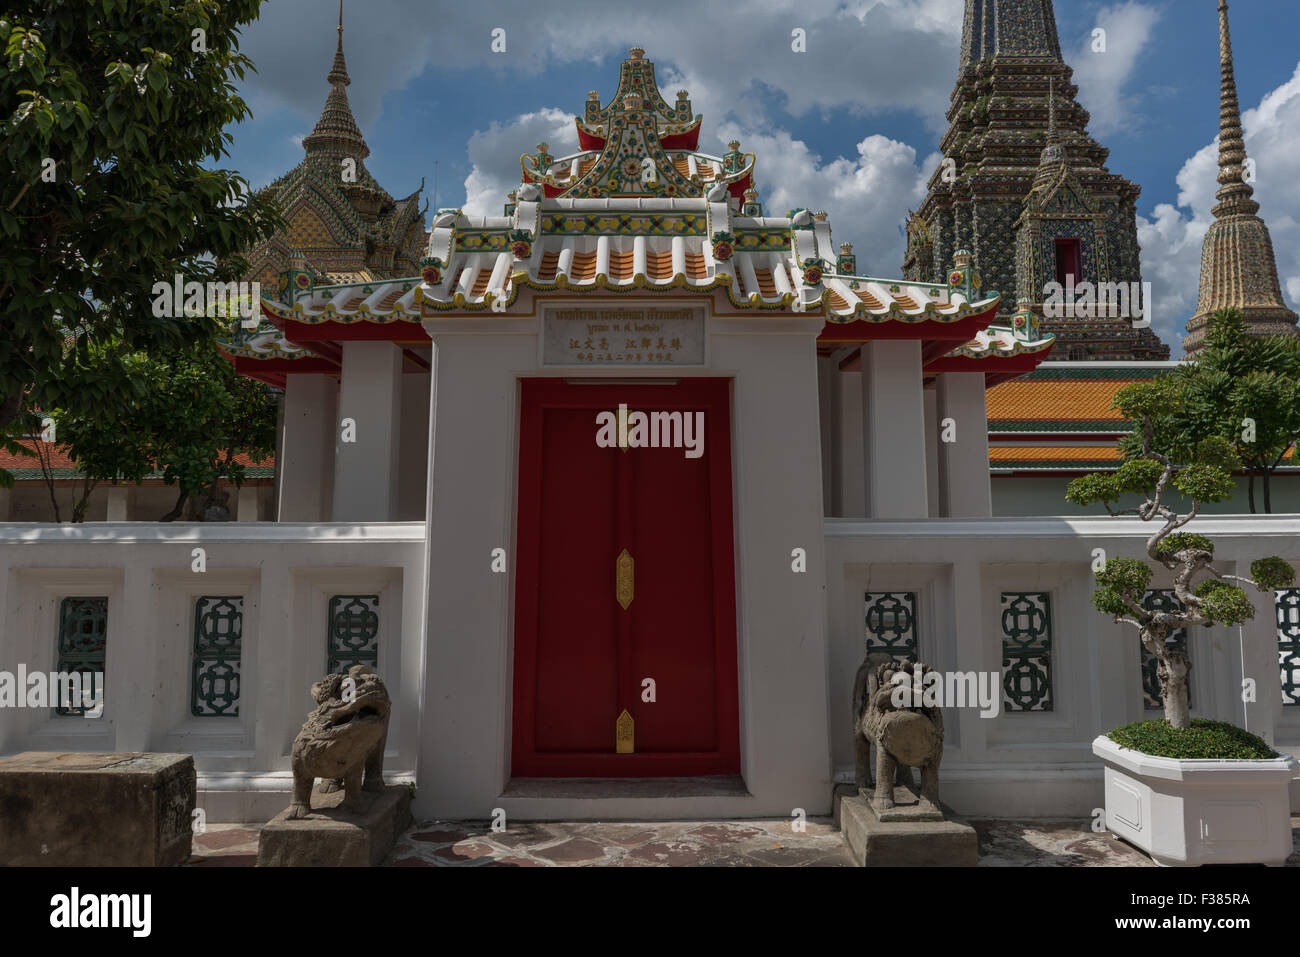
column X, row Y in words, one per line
column 1237, row 264
column 1030, row 211
column 339, row 220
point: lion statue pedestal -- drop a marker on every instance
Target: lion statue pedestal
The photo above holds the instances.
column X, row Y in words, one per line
column 888, row 822
column 352, row 819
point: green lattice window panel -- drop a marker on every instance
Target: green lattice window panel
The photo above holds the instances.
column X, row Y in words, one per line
column 891, row 624
column 82, row 644
column 1160, row 599
column 1026, row 651
column 353, row 632
column 218, row 647
column 1288, row 644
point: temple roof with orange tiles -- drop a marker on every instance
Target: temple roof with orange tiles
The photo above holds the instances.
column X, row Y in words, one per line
column 638, row 210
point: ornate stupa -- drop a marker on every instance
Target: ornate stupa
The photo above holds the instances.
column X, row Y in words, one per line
column 1030, row 211
column 339, row 220
column 1238, row 268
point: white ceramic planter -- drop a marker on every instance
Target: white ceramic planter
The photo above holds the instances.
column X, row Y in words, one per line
column 1188, row 812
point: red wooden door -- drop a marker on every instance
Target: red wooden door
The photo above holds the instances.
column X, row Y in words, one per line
column 581, row 657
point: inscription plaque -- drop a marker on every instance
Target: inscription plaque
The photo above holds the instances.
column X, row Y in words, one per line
column 644, row 335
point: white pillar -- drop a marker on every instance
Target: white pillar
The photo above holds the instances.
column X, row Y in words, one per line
column 117, row 504
column 131, row 663
column 972, row 654
column 851, row 488
column 826, row 375
column 964, row 463
column 306, row 466
column 893, row 414
column 1256, row 642
column 366, row 470
column 414, row 457
column 932, row 452
column 246, row 510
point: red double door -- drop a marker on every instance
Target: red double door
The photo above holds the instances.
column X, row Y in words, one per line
column 625, row 588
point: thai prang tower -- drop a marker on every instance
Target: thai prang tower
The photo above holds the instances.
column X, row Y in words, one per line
column 340, row 224
column 1238, row 268
column 1025, row 188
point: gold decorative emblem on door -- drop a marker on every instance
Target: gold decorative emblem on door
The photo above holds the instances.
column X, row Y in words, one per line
column 624, row 579
column 624, row 734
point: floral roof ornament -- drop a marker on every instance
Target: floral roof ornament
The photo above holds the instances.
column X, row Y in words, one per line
column 638, row 145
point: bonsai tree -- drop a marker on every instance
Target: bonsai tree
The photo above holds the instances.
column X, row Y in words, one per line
column 1161, row 461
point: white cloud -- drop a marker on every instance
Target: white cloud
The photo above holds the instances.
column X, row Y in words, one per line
column 1102, row 76
column 1171, row 239
column 494, row 155
column 867, row 195
column 879, row 55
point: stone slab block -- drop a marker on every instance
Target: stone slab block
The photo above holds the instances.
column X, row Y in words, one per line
column 877, row 843
column 96, row 810
column 332, row 837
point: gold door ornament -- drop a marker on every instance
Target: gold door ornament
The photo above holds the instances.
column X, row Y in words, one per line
column 624, row 579
column 624, row 734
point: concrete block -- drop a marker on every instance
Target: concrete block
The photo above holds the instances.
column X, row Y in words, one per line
column 902, row 843
column 331, row 837
column 96, row 810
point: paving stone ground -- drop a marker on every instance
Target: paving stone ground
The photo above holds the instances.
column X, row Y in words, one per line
column 1035, row 843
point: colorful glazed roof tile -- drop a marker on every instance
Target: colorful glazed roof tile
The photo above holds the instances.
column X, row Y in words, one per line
column 1059, row 419
column 1074, row 398
column 639, row 209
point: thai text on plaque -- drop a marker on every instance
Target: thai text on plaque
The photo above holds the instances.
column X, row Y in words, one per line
column 575, row 335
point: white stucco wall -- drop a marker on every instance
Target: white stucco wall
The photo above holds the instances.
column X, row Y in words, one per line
column 1042, row 495
column 1041, row 764
column 286, row 575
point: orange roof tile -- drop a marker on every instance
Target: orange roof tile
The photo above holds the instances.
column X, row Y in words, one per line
column 1069, row 399
column 1053, row 453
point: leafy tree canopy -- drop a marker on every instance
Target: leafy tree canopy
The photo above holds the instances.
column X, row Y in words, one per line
column 113, row 108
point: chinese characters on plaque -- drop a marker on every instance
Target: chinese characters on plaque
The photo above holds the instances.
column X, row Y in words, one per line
column 621, row 336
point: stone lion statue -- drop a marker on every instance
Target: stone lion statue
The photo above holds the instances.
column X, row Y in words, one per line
column 342, row 739
column 904, row 737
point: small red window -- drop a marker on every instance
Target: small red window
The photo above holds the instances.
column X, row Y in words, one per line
column 1069, row 262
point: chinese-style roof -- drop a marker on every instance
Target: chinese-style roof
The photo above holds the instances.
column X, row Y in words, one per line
column 682, row 223
column 1073, row 398
column 1070, row 459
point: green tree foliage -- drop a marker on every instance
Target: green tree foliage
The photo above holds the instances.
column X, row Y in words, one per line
column 112, row 108
column 203, row 414
column 102, row 423
column 1239, row 402
column 187, row 415
column 1162, row 456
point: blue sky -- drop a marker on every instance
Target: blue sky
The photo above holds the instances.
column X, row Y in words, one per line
column 851, row 126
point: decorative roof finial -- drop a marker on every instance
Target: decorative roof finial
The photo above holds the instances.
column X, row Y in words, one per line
column 1051, row 110
column 336, row 133
column 1053, row 152
column 338, row 74
column 636, row 53
column 1235, row 192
